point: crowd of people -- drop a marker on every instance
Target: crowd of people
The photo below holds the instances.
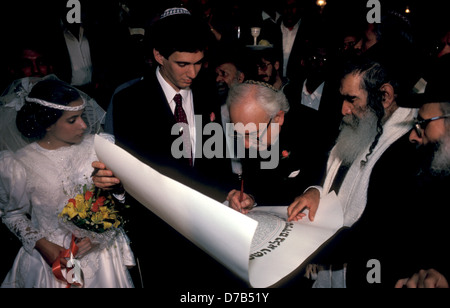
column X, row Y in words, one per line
column 324, row 105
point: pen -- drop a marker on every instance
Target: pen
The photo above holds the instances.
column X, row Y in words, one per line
column 241, row 195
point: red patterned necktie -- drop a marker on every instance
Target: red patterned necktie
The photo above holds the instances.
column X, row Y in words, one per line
column 180, row 117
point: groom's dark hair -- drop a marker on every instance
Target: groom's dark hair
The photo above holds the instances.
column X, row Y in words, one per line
column 182, row 33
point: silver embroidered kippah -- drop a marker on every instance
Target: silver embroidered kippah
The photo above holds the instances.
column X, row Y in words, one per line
column 55, row 106
column 175, row 11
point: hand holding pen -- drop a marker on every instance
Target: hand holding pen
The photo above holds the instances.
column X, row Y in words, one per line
column 240, row 201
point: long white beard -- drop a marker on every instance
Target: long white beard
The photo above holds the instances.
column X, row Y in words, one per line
column 356, row 136
column 440, row 164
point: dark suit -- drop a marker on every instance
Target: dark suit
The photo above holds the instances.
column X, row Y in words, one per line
column 275, row 36
column 143, row 121
column 316, row 130
column 405, row 224
column 280, row 186
column 109, row 52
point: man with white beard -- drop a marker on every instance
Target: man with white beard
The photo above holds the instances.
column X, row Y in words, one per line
column 373, row 127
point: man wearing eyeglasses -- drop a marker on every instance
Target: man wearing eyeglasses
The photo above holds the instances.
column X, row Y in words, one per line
column 431, row 134
column 268, row 68
column 275, row 164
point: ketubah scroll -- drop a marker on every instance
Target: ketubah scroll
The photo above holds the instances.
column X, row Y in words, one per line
column 261, row 248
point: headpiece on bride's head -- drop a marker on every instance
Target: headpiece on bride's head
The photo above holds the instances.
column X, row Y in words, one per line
column 44, row 105
column 55, row 106
column 30, row 105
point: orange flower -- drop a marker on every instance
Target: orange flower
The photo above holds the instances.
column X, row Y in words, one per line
column 285, row 154
column 92, row 211
column 88, row 195
column 73, row 201
column 95, row 207
column 101, row 201
column 98, row 203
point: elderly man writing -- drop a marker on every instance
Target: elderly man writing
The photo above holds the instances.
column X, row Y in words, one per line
column 275, row 164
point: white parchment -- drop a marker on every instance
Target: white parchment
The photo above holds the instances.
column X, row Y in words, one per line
column 225, row 234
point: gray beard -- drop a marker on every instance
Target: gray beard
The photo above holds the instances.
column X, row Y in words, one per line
column 440, row 164
column 355, row 137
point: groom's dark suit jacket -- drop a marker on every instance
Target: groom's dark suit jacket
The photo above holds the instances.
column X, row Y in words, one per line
column 142, row 122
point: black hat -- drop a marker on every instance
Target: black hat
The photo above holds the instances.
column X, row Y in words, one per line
column 437, row 88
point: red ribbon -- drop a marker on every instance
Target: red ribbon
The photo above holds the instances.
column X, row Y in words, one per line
column 56, row 266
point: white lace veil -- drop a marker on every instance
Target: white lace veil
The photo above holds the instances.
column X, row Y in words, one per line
column 12, row 100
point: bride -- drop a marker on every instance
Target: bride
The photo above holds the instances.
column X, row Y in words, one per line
column 38, row 180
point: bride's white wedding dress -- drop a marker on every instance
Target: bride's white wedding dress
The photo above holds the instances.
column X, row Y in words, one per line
column 37, row 183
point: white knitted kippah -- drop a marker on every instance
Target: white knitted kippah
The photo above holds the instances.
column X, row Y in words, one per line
column 175, row 11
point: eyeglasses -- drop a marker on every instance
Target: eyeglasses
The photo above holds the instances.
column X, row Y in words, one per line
column 420, row 124
column 263, row 66
column 350, row 44
column 318, row 59
column 254, row 137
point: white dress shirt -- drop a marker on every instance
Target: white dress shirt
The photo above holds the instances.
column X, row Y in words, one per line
column 288, row 43
column 188, row 105
column 312, row 100
column 80, row 57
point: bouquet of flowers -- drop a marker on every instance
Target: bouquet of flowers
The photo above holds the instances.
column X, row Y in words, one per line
column 94, row 214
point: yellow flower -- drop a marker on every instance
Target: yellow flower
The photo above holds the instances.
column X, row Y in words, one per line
column 107, row 225
column 79, row 198
column 97, row 218
column 116, row 224
column 81, row 206
column 69, row 210
column 104, row 211
column 80, row 203
column 96, row 214
column 82, row 215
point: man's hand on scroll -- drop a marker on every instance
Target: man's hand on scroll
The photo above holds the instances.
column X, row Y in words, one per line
column 424, row 279
column 308, row 200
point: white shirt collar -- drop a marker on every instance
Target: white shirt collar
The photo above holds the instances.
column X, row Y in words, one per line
column 294, row 29
column 312, row 100
column 169, row 91
column 188, row 105
column 266, row 16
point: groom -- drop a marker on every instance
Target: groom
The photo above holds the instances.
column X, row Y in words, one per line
column 144, row 114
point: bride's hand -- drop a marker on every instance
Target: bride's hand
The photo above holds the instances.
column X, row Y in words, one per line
column 84, row 246
column 50, row 251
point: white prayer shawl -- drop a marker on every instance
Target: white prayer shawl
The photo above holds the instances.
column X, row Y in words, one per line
column 353, row 192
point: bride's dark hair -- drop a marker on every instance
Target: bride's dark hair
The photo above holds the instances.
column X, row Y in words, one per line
column 33, row 119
